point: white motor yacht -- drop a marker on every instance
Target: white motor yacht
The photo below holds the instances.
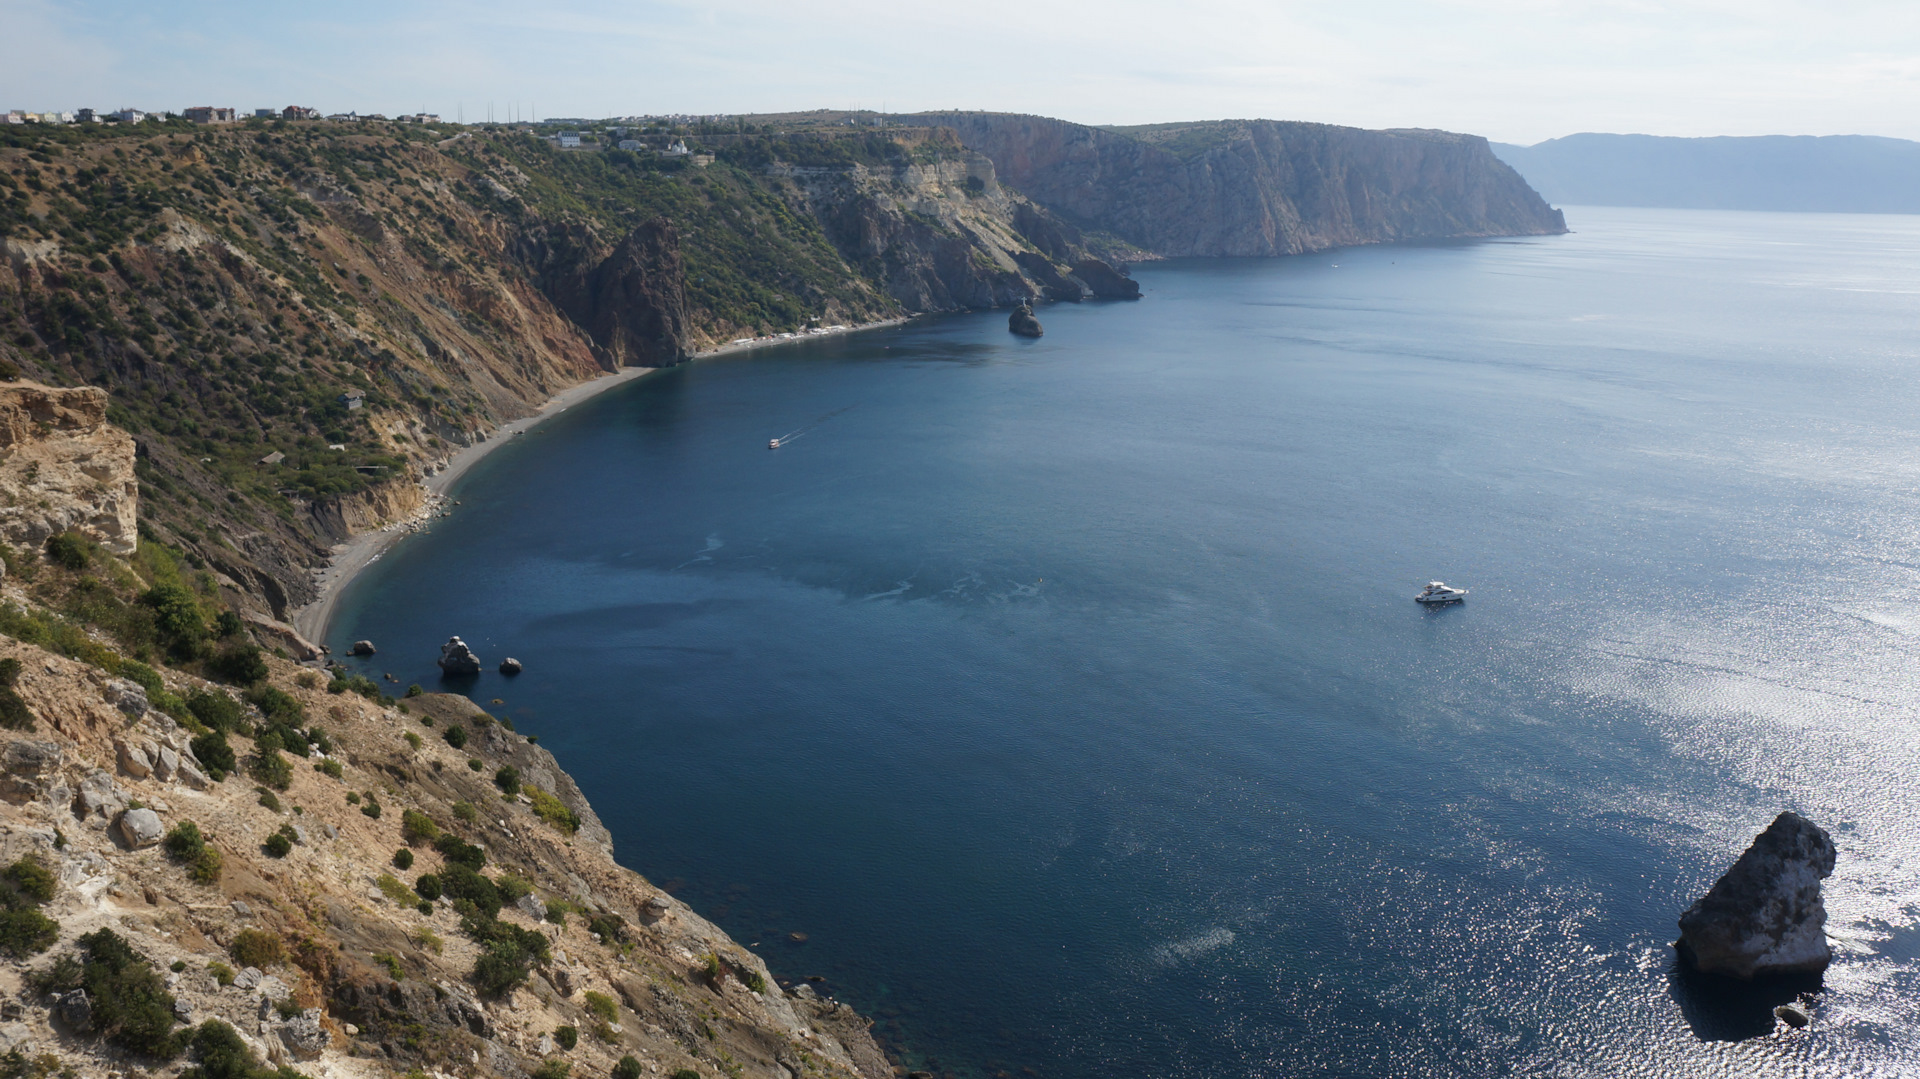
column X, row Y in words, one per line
column 1440, row 592
column 773, row 443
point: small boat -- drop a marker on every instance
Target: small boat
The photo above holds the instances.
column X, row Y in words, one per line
column 1440, row 592
column 773, row 443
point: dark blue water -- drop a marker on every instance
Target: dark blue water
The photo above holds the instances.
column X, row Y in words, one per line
column 1070, row 696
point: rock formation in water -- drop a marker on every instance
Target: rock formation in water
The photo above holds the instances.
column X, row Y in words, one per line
column 1104, row 281
column 457, row 658
column 63, row 466
column 1765, row 916
column 1023, row 323
column 1256, row 187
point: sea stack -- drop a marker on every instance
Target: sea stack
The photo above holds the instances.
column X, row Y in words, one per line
column 1023, row 323
column 510, row 665
column 1765, row 916
column 457, row 658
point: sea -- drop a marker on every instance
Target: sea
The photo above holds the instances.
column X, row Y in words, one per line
column 1063, row 704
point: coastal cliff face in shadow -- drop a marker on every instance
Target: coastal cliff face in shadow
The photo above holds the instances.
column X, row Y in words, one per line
column 1257, row 187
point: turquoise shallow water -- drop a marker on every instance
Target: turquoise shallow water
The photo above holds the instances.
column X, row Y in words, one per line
column 1070, row 696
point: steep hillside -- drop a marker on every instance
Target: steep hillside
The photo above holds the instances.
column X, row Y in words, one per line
column 1256, row 187
column 297, row 320
column 1832, row 173
column 307, row 874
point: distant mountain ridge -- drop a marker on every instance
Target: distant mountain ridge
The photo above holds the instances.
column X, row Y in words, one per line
column 1826, row 173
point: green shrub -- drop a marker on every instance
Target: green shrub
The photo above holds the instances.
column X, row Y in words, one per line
column 268, row 799
column 458, row 851
column 186, row 845
column 403, row 859
column 216, row 709
column 394, row 890
column 427, row 887
column 278, row 845
column 31, row 880
column 257, row 948
column 568, row 1037
column 628, row 1068
column 457, row 881
column 512, row 887
column 330, row 768
column 417, row 827
column 509, row 956
column 456, row 736
column 131, row 1006
column 412, row 739
column 222, row 973
column 686, row 1073
column 213, row 750
column 239, row 664
column 24, row 931
column 475, row 764
column 392, row 963
column 552, row 1069
column 69, row 550
column 553, row 811
column 223, row 1055
column 414, row 690
column 507, row 779
column 281, row 709
column 557, row 911
column 184, row 842
column 464, row 813
column 270, row 768
column 603, row 1006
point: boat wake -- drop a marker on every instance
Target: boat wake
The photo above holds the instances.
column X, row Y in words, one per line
column 807, row 428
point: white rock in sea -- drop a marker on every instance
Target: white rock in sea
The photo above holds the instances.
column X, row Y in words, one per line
column 1765, row 916
column 457, row 658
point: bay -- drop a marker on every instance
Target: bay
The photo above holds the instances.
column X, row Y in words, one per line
column 1070, row 697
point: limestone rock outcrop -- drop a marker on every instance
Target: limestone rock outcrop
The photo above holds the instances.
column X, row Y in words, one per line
column 140, row 828
column 63, row 466
column 456, row 658
column 1023, row 323
column 1765, row 916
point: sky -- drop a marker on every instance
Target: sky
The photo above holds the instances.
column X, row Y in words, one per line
column 1513, row 70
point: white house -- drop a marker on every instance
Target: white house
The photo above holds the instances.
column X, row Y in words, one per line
column 678, row 149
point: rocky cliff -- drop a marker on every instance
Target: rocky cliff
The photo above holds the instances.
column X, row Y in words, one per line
column 273, row 909
column 1256, row 187
column 64, row 467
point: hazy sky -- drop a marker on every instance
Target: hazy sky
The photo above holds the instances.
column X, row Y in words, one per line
column 1514, row 70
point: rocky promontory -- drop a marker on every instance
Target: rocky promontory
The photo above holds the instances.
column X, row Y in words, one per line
column 1256, row 187
column 1766, row 915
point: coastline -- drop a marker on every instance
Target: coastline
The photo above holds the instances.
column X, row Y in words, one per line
column 312, row 621
column 357, row 553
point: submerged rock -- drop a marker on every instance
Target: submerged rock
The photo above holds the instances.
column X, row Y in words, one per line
column 1023, row 323
column 1793, row 1015
column 457, row 658
column 1765, row 916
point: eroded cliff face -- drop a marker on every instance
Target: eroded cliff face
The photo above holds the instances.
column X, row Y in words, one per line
column 946, row 234
column 630, row 298
column 63, row 466
column 1257, row 187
